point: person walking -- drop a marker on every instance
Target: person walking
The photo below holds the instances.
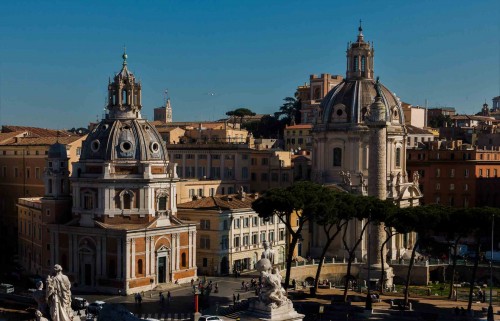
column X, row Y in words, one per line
column 234, row 299
column 169, row 297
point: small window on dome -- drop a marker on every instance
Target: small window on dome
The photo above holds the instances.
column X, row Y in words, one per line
column 155, row 147
column 126, row 146
column 95, row 145
column 339, row 112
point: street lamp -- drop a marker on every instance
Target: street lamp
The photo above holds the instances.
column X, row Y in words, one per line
column 490, row 307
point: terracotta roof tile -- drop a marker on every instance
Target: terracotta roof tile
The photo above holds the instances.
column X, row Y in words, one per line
column 224, row 202
column 42, row 141
column 36, row 131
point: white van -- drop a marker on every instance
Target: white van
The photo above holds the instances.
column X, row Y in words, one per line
column 6, row 288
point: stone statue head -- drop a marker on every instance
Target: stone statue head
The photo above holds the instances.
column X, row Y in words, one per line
column 39, row 285
column 57, row 268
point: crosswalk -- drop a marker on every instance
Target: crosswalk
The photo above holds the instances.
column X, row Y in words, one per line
column 166, row 316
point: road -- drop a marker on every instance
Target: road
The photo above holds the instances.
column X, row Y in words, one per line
column 182, row 297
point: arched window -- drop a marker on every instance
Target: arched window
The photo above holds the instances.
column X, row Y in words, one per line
column 337, row 156
column 162, row 203
column 124, row 97
column 398, row 157
column 183, row 260
column 127, row 200
column 363, row 63
column 50, row 186
column 139, row 266
column 355, row 63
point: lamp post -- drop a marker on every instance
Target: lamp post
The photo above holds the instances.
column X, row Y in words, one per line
column 490, row 307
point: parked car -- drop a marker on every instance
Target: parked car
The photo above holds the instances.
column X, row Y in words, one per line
column 209, row 318
column 78, row 303
column 95, row 307
column 6, row 288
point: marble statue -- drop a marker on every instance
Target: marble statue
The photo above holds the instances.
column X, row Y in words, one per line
column 59, row 295
column 416, row 178
column 268, row 252
column 41, row 300
column 398, row 179
column 271, row 293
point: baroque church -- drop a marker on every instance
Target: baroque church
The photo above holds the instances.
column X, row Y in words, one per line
column 123, row 232
column 359, row 144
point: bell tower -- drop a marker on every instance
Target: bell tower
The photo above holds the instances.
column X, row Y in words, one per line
column 124, row 95
column 359, row 58
column 56, row 176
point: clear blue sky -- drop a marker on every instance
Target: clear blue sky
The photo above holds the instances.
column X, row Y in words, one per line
column 56, row 56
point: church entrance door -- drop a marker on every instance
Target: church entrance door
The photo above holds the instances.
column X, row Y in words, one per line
column 88, row 275
column 162, row 269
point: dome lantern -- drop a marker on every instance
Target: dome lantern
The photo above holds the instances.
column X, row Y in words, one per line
column 360, row 58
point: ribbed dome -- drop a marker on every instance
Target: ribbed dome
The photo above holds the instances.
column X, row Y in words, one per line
column 124, row 140
column 57, row 150
column 349, row 101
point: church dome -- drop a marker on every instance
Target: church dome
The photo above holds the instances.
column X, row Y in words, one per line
column 124, row 135
column 125, row 140
column 57, row 150
column 349, row 102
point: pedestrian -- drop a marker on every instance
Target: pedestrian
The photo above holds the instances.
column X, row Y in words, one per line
column 238, row 297
column 192, row 282
column 136, row 298
column 234, row 299
column 242, row 285
column 162, row 299
column 169, row 297
column 139, row 298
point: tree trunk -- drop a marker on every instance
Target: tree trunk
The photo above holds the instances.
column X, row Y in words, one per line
column 453, row 267
column 320, row 263
column 473, row 277
column 289, row 260
column 407, row 289
column 348, row 274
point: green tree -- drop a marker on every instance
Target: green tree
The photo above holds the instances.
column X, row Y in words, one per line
column 440, row 121
column 290, row 110
column 239, row 113
column 367, row 210
column 327, row 213
column 284, row 202
column 423, row 220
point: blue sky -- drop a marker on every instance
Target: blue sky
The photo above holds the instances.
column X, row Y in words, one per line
column 56, row 57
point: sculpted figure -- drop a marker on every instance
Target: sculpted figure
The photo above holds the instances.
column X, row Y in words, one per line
column 59, row 295
column 398, row 179
column 268, row 252
column 416, row 177
column 272, row 293
column 39, row 296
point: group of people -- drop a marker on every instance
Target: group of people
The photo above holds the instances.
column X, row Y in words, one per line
column 138, row 298
column 203, row 285
column 162, row 297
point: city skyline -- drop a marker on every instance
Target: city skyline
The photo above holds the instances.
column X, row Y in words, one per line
column 56, row 58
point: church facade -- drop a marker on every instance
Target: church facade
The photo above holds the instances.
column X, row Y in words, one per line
column 343, row 145
column 123, row 232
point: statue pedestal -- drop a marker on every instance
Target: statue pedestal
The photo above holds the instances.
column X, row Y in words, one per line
column 260, row 311
column 375, row 271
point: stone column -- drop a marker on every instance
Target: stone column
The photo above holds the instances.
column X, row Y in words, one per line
column 194, row 248
column 190, row 249
column 146, row 254
column 132, row 260
column 152, row 261
column 174, row 251
column 377, row 181
column 177, row 251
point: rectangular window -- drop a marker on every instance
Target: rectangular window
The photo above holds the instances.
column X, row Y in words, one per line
column 237, row 223
column 263, row 177
column 262, row 236
column 212, row 191
column 452, row 172
column 200, row 191
column 246, row 222
column 177, row 156
column 237, row 241
column 215, row 156
column 255, row 221
column 264, row 161
column 224, row 242
column 16, row 172
column 274, row 177
column 244, row 172
column 190, row 156
column 191, row 193
column 253, row 177
column 487, row 173
column 37, row 172
column 282, row 234
column 4, row 171
column 204, row 224
column 480, row 173
column 253, row 161
column 246, row 238
column 438, row 172
column 254, row 238
column 204, row 242
column 205, row 262
column 438, row 186
column 27, row 172
column 337, row 157
column 202, row 156
column 271, row 236
column 271, row 220
column 466, row 172
column 452, row 187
